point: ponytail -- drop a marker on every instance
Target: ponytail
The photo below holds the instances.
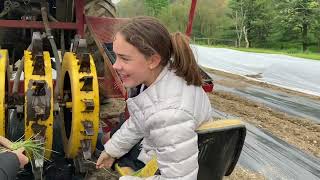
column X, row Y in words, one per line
column 149, row 36
column 184, row 62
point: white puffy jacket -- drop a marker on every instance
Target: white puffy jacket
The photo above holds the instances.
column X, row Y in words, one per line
column 166, row 115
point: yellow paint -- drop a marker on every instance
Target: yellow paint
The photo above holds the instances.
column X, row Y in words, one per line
column 28, row 69
column 73, row 144
column 219, row 124
column 148, row 170
column 123, row 171
column 68, row 104
column 3, row 71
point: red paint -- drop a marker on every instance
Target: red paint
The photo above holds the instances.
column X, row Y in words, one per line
column 80, row 17
column 207, row 87
column 191, row 16
column 36, row 24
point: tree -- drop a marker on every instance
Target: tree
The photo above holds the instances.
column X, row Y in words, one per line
column 239, row 15
column 130, row 8
column 298, row 15
column 154, row 7
column 252, row 20
column 210, row 18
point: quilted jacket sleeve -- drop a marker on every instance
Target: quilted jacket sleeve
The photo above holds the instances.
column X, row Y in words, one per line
column 124, row 139
column 172, row 134
column 9, row 166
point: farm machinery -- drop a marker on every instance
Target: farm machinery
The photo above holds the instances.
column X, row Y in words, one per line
column 57, row 84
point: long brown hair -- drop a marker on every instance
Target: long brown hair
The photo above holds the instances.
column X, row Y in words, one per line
column 149, row 36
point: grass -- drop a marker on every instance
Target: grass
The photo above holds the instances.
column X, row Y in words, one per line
column 106, row 170
column 289, row 52
column 34, row 148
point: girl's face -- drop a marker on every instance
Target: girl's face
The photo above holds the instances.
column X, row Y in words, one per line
column 132, row 66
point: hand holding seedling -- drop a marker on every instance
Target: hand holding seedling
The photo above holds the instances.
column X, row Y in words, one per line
column 8, row 146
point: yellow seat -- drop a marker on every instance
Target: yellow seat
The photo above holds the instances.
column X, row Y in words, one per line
column 148, row 170
column 220, row 143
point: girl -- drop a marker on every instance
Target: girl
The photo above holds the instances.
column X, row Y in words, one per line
column 166, row 114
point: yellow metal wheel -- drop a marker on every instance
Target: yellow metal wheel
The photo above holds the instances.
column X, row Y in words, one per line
column 38, row 109
column 80, row 94
column 4, row 58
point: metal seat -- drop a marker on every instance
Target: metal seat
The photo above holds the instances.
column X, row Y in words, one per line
column 220, row 144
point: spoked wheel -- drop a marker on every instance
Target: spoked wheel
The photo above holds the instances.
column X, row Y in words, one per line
column 79, row 90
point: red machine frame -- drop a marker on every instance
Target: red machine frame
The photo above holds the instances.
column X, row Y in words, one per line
column 110, row 79
column 78, row 25
column 80, row 21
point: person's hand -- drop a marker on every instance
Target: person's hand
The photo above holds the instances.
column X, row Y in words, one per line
column 5, row 142
column 104, row 160
column 23, row 159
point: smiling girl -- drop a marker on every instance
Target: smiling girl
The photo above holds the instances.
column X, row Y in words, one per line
column 166, row 114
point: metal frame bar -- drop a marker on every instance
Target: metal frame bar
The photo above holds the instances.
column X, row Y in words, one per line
column 78, row 25
column 80, row 21
column 191, row 16
column 36, row 24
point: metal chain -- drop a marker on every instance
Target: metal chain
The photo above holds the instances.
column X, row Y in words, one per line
column 26, row 2
column 6, row 9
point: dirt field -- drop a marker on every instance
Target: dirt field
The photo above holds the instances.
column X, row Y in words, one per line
column 244, row 174
column 299, row 132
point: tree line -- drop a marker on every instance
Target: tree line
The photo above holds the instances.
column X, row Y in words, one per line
column 276, row 24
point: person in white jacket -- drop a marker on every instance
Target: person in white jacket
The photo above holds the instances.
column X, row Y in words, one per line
column 167, row 113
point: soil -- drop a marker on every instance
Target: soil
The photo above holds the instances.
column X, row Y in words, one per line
column 240, row 173
column 300, row 132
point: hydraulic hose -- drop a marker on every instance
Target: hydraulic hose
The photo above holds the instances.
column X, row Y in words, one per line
column 44, row 14
column 16, row 81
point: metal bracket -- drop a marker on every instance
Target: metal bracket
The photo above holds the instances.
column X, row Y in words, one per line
column 84, row 61
column 56, row 108
column 81, row 165
column 80, row 162
column 89, row 105
column 38, row 100
column 40, row 88
column 38, row 65
column 37, row 164
column 87, row 83
column 40, row 130
column 37, row 55
column 88, row 127
column 86, row 148
column 81, row 50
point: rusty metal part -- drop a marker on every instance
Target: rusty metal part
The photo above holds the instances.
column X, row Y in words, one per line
column 88, row 128
column 81, row 165
column 87, row 83
column 81, row 50
column 38, row 98
column 89, row 105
